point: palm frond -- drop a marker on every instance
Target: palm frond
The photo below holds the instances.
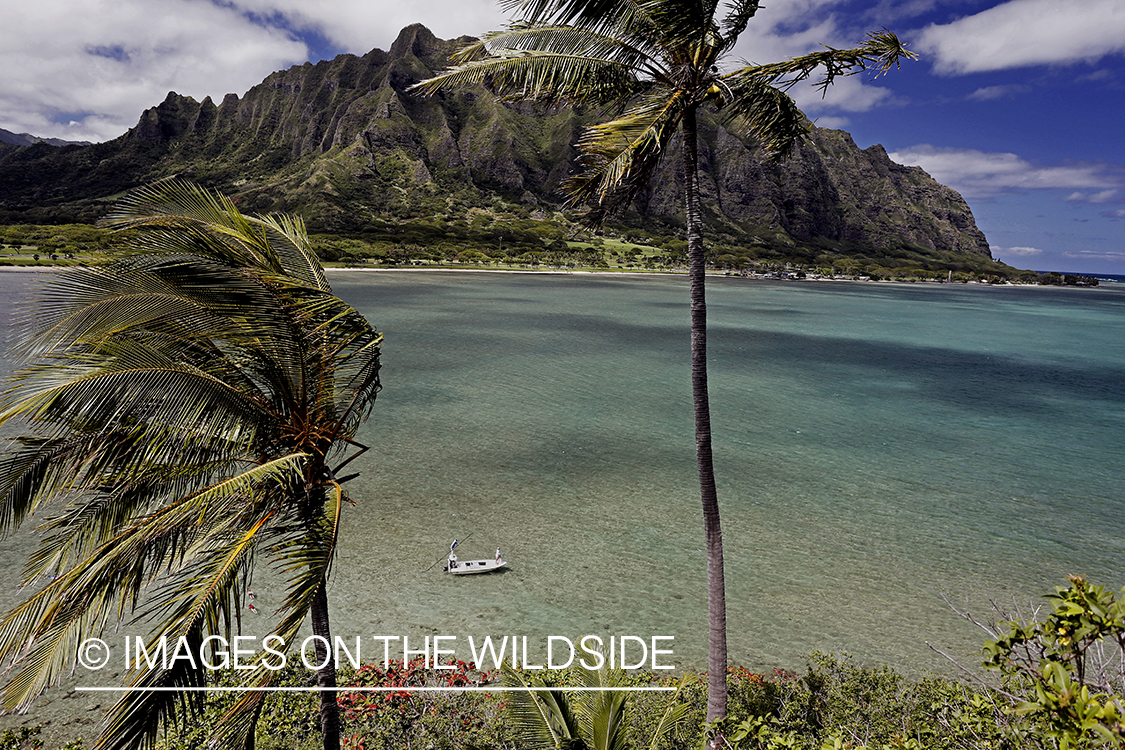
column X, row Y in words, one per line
column 33, row 471
column 357, row 386
column 880, row 52
column 210, row 218
column 600, row 712
column 618, row 157
column 305, row 557
column 211, row 223
column 235, row 729
column 90, row 304
column 290, row 242
column 182, row 306
column 543, row 718
column 628, row 50
column 195, row 548
column 154, row 410
column 607, row 720
column 42, row 635
column 546, row 77
column 767, row 113
column 737, row 18
column 212, row 511
column 181, row 405
column 135, row 722
column 207, row 595
column 674, row 716
column 687, row 30
column 596, row 15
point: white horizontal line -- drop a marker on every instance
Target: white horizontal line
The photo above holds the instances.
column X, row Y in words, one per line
column 496, row 689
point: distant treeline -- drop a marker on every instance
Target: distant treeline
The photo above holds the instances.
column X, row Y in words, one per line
column 553, row 241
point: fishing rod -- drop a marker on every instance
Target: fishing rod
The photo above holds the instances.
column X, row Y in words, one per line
column 443, row 557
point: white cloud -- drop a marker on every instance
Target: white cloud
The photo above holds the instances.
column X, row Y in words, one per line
column 850, row 94
column 85, row 71
column 1105, row 196
column 1019, row 33
column 359, row 26
column 103, row 61
column 1020, row 252
column 888, row 11
column 990, row 93
column 976, row 173
column 1096, row 255
column 1102, row 74
column 787, row 29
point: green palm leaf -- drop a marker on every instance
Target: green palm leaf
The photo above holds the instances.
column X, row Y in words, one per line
column 549, row 78
column 618, row 157
column 180, row 406
column 881, row 51
column 597, row 15
column 767, row 113
column 543, row 719
column 139, row 715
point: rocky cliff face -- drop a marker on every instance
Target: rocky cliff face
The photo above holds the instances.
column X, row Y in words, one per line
column 342, row 142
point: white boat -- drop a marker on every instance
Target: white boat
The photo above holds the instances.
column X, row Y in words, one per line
column 465, row 567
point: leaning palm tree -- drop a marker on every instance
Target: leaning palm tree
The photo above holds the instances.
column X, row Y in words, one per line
column 184, row 414
column 657, row 63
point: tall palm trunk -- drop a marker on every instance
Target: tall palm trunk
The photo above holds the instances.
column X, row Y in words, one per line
column 326, row 675
column 716, row 588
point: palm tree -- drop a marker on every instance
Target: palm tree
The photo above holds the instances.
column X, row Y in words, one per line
column 551, row 717
column 657, row 63
column 185, row 413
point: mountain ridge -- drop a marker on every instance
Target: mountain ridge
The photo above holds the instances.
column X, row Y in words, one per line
column 344, row 144
column 27, row 139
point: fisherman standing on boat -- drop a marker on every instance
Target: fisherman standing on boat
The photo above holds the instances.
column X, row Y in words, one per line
column 452, row 557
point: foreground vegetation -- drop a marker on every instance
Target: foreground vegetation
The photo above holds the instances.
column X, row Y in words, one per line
column 836, row 699
column 1055, row 681
column 184, row 414
column 509, row 241
column 1061, row 687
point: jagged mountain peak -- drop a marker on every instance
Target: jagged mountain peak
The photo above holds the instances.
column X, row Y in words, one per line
column 344, row 143
column 416, row 40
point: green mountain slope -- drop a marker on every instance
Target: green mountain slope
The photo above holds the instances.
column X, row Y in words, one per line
column 342, row 143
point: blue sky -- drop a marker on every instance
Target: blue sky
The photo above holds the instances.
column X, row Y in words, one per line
column 1017, row 104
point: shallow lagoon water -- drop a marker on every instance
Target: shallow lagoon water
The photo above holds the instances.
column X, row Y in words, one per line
column 878, row 447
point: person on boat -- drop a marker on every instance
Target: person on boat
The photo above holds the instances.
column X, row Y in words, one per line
column 498, row 558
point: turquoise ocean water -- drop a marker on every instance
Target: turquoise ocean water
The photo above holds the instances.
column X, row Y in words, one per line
column 878, row 447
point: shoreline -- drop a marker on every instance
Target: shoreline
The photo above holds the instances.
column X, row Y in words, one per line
column 632, row 272
column 710, row 274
